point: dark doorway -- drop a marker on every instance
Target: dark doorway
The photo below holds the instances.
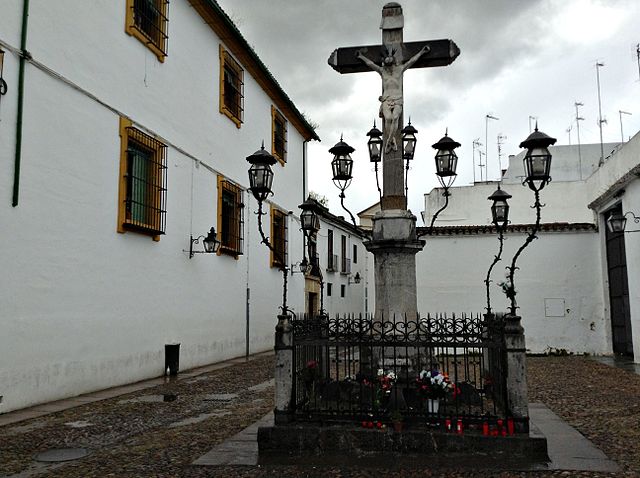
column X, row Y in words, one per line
column 618, row 290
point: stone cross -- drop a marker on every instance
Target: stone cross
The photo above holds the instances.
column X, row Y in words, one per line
column 388, row 60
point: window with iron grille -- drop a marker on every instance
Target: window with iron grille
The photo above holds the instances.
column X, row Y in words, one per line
column 329, row 289
column 230, row 218
column 231, row 87
column 355, row 253
column 278, row 135
column 343, row 290
column 143, row 182
column 330, row 259
column 147, row 20
column 345, row 266
column 278, row 238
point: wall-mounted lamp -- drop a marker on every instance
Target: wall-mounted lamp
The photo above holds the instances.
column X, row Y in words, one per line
column 618, row 222
column 356, row 279
column 210, row 243
column 302, row 267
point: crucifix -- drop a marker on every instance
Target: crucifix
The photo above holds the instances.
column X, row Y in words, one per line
column 390, row 60
column 394, row 242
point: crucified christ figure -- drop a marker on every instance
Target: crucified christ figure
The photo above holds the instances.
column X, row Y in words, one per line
column 391, row 100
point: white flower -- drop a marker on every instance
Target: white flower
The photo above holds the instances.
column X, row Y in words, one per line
column 423, row 374
column 391, row 376
column 380, row 372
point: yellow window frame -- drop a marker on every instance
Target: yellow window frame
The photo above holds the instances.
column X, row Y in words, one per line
column 158, row 180
column 278, row 237
column 232, row 239
column 227, row 61
column 278, row 118
column 158, row 46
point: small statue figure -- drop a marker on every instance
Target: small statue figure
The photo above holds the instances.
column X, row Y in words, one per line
column 391, row 100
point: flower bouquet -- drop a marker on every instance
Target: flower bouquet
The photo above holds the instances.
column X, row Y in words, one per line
column 433, row 386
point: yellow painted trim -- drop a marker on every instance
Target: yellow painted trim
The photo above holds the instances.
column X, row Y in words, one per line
column 122, row 188
column 223, row 109
column 122, row 182
column 228, row 251
column 275, row 212
column 131, row 29
column 275, row 114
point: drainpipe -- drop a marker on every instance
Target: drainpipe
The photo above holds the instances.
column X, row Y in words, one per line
column 24, row 54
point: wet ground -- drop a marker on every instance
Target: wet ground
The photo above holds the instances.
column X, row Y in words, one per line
column 161, row 430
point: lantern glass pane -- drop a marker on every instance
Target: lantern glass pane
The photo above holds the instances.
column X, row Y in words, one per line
column 208, row 245
column 446, row 162
column 616, row 223
column 374, row 151
column 537, row 162
column 500, row 211
column 409, row 147
column 342, row 167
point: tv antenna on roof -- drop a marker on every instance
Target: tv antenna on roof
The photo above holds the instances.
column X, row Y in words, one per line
column 578, row 119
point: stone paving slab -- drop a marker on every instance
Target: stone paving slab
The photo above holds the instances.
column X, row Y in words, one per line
column 623, row 363
column 567, row 448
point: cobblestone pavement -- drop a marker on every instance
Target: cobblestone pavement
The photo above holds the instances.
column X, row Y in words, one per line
column 142, row 435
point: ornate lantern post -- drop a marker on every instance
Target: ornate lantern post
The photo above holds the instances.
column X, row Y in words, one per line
column 310, row 225
column 375, row 151
column 260, row 181
column 408, row 150
column 537, row 166
column 500, row 219
column 446, row 165
column 342, row 165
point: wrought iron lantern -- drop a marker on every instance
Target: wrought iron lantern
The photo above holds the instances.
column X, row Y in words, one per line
column 618, row 222
column 210, row 243
column 356, row 279
column 446, row 160
column 342, row 164
column 537, row 160
column 408, row 141
column 302, row 267
column 375, row 144
column 309, row 221
column 500, row 208
column 261, row 174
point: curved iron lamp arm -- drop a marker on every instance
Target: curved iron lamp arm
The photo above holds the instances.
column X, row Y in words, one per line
column 353, row 219
column 378, row 181
column 497, row 258
column 285, row 270
column 429, row 231
column 511, row 294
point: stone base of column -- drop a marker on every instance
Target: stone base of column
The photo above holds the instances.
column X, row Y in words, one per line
column 394, row 246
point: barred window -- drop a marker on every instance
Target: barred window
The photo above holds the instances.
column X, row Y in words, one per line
column 147, row 20
column 278, row 238
column 230, row 218
column 143, row 182
column 278, row 135
column 231, row 87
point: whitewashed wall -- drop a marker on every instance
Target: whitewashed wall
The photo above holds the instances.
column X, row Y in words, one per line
column 468, row 205
column 556, row 271
column 86, row 308
column 617, row 177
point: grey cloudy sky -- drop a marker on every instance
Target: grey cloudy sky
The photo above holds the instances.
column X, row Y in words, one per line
column 519, row 58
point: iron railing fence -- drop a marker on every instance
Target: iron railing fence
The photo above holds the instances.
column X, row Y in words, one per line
column 358, row 368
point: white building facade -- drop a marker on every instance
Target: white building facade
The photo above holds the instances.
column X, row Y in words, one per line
column 564, row 281
column 129, row 135
column 343, row 265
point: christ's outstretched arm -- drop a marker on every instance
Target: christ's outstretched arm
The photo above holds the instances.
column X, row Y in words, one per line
column 368, row 62
column 415, row 58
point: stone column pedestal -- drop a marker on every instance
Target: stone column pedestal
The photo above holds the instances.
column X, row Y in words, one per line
column 517, row 400
column 394, row 246
column 284, row 371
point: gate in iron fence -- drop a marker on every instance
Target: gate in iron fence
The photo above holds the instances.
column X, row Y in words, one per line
column 423, row 370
